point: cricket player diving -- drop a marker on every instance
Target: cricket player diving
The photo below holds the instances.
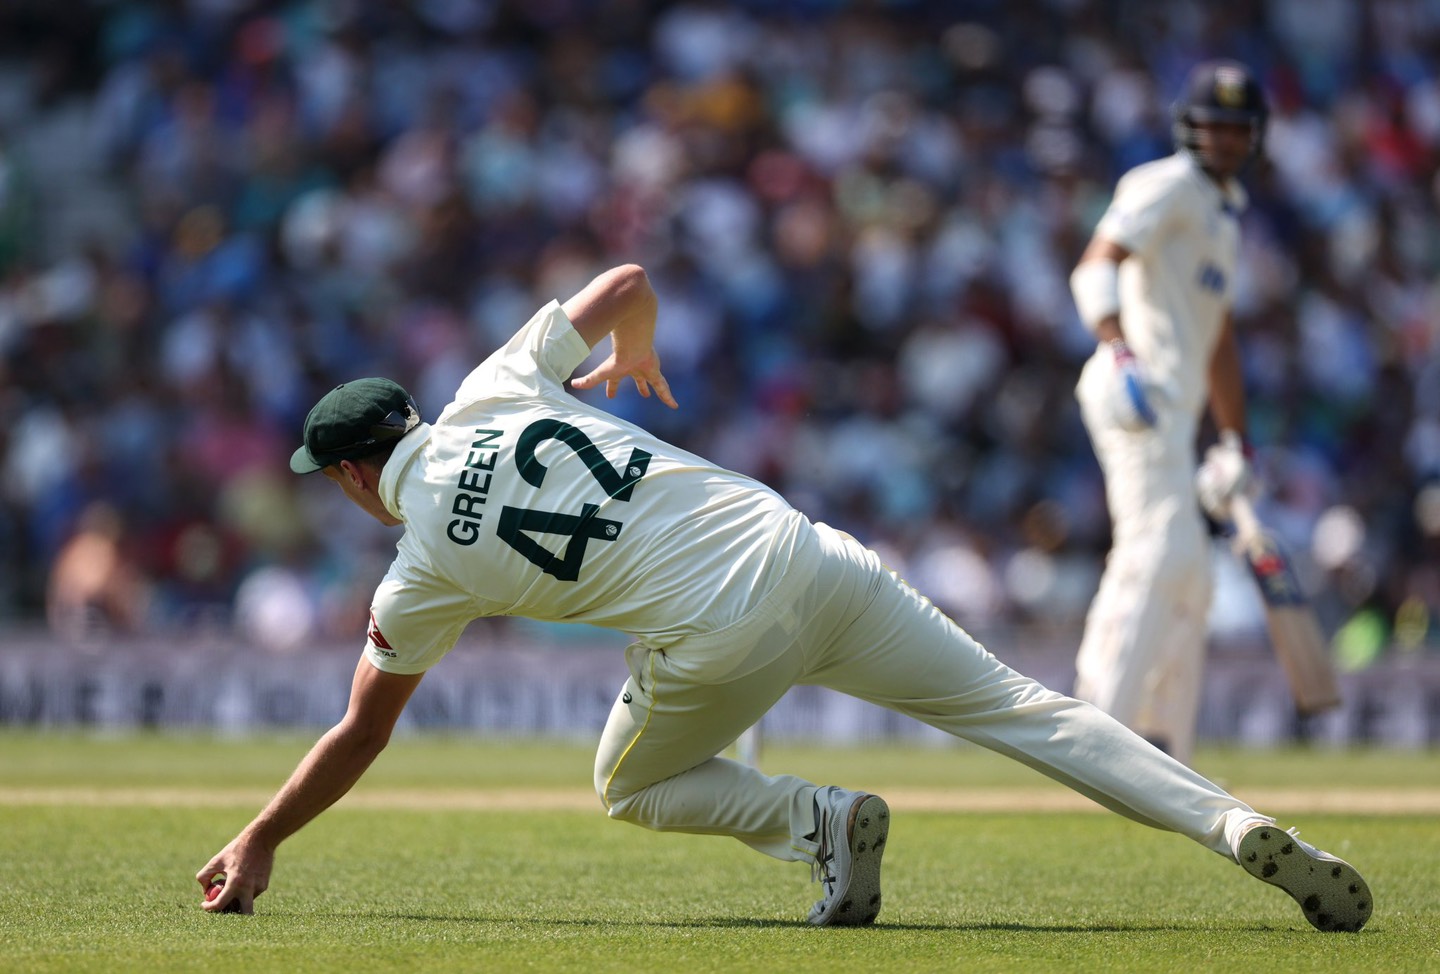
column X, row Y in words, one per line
column 521, row 499
column 1155, row 285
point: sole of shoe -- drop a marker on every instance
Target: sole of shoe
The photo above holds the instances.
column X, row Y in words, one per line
column 869, row 829
column 1331, row 893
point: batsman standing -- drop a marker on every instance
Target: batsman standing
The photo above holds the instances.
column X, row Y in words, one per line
column 1155, row 285
column 522, row 500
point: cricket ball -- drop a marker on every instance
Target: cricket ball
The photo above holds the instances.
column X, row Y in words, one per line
column 217, row 883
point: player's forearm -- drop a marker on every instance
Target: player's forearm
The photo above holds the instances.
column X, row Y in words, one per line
column 1227, row 385
column 619, row 303
column 635, row 313
column 1108, row 330
column 321, row 779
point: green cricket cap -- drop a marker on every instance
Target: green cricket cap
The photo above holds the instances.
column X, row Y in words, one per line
column 354, row 420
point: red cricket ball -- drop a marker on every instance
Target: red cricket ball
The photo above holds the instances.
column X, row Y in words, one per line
column 213, row 890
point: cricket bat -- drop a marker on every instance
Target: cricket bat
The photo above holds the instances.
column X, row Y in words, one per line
column 1294, row 633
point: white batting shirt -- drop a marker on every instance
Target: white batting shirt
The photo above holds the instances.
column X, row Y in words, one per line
column 522, row 500
column 1183, row 234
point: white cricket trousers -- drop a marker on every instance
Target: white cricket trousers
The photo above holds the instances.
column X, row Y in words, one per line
column 1142, row 657
column 854, row 626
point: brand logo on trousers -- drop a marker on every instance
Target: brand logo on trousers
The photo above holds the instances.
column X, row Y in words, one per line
column 626, row 698
column 375, row 635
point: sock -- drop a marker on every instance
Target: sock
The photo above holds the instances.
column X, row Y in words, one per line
column 1238, row 821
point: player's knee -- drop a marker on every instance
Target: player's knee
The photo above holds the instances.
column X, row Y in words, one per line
column 627, row 808
column 622, row 810
column 603, row 786
column 614, row 793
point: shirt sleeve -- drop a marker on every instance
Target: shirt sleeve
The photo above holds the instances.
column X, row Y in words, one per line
column 535, row 361
column 1144, row 208
column 414, row 623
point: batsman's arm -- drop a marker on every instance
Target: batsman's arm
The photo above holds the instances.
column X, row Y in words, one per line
column 1095, row 287
column 620, row 303
column 323, row 776
column 1227, row 382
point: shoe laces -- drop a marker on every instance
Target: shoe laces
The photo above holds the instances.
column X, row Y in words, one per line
column 1294, row 833
column 820, row 871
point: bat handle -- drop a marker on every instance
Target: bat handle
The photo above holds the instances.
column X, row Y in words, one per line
column 1247, row 524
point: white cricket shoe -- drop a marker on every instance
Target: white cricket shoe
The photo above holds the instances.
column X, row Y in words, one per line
column 852, row 828
column 1328, row 889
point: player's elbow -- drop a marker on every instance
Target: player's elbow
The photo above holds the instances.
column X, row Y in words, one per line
column 626, row 273
column 1102, row 248
column 632, row 284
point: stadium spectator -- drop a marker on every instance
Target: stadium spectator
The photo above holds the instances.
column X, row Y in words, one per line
column 96, row 589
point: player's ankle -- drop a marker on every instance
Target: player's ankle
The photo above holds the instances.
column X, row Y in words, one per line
column 1238, row 821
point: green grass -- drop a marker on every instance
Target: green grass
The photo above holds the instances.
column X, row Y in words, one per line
column 109, row 887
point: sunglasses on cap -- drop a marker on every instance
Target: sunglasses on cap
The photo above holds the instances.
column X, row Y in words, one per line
column 394, row 425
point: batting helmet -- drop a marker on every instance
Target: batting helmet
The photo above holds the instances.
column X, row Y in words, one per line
column 1219, row 91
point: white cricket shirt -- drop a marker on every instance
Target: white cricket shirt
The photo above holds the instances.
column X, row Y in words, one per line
column 522, row 500
column 1183, row 234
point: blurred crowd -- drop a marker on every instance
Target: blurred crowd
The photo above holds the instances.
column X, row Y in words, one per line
column 860, row 218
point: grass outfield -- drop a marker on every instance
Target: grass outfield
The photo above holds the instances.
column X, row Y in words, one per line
column 419, row 870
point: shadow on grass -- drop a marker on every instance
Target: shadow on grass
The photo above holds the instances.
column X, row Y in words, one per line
column 760, row 923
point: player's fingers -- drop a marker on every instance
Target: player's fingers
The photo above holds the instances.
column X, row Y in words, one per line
column 642, row 386
column 662, row 389
column 231, row 903
column 236, row 900
column 604, row 372
column 217, row 897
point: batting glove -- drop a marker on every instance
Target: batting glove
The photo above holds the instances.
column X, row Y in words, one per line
column 1131, row 399
column 1225, row 474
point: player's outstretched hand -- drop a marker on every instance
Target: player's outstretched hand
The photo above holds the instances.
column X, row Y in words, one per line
column 642, row 367
column 244, row 871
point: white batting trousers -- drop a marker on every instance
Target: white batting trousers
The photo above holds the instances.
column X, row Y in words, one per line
column 856, row 627
column 1142, row 657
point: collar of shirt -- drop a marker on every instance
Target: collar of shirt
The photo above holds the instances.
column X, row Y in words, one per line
column 1230, row 197
column 405, row 450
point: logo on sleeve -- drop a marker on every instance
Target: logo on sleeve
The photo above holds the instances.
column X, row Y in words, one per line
column 377, row 640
